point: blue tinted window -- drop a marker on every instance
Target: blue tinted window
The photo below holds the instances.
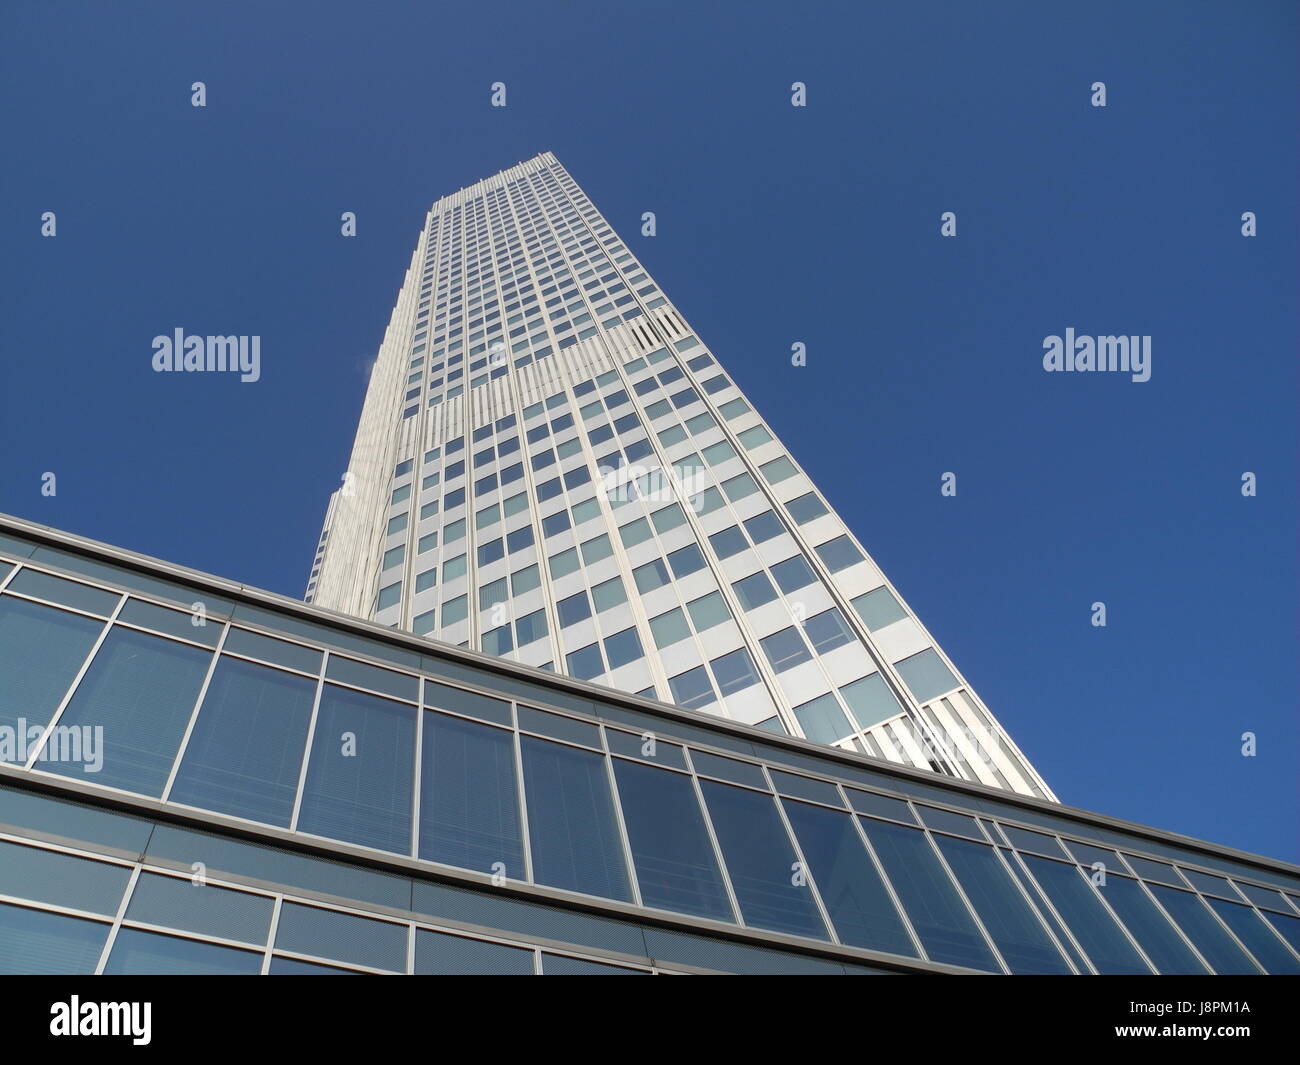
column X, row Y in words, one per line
column 1011, row 924
column 246, row 749
column 344, row 936
column 827, row 631
column 1206, row 934
column 793, row 574
column 785, row 649
column 440, row 954
column 760, row 861
column 728, row 542
column 37, row 943
column 571, row 823
column 675, row 865
column 941, row 920
column 692, row 689
column 754, row 590
column 468, row 804
column 1093, row 927
column 822, row 719
column 586, row 663
column 139, row 953
column 1257, row 937
column 734, row 671
column 622, row 648
column 141, row 690
column 686, row 560
column 846, row 877
column 41, row 649
column 763, row 526
column 361, row 772
column 1163, row 945
column 574, row 609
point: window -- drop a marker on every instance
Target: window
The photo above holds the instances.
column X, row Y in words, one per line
column 586, row 662
column 805, row 508
column 668, row 518
column 574, row 609
column 222, row 770
column 827, row 631
column 608, row 594
column 37, row 943
column 759, row 857
column 142, row 689
column 671, row 853
column 1094, row 928
column 564, row 563
column 785, row 649
column 634, row 532
column 839, row 553
column 455, row 611
column 686, row 560
column 852, row 890
column 41, row 649
column 469, row 813
column 752, row 438
column 525, row 580
column 692, row 689
column 940, row 919
column 734, row 672
column 763, row 526
column 555, row 523
column 596, row 549
column 870, row 701
column 707, row 611
column 519, row 539
column 793, row 574
column 530, row 627
column 651, row 576
column 822, row 719
column 498, row 641
column 728, row 542
column 491, row 551
column 622, row 648
column 878, row 608
column 669, row 628
column 754, row 590
column 1017, row 933
column 1149, row 926
column 926, row 675
column 739, row 487
column 453, row 569
column 571, row 820
column 360, row 792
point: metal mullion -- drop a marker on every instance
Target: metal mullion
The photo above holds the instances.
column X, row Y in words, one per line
column 311, row 735
column 117, row 920
column 738, row 915
column 194, row 713
column 525, row 836
column 48, row 728
column 803, row 862
column 884, row 877
column 624, row 838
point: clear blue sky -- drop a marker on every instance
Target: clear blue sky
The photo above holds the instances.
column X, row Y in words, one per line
column 775, row 225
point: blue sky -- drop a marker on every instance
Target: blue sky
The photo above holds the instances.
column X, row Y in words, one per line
column 775, row 225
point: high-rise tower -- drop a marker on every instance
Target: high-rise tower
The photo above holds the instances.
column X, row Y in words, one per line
column 552, row 466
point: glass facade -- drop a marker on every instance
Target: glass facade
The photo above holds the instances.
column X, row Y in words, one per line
column 544, row 434
column 210, row 780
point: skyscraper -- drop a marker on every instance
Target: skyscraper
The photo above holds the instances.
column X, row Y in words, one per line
column 553, row 466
